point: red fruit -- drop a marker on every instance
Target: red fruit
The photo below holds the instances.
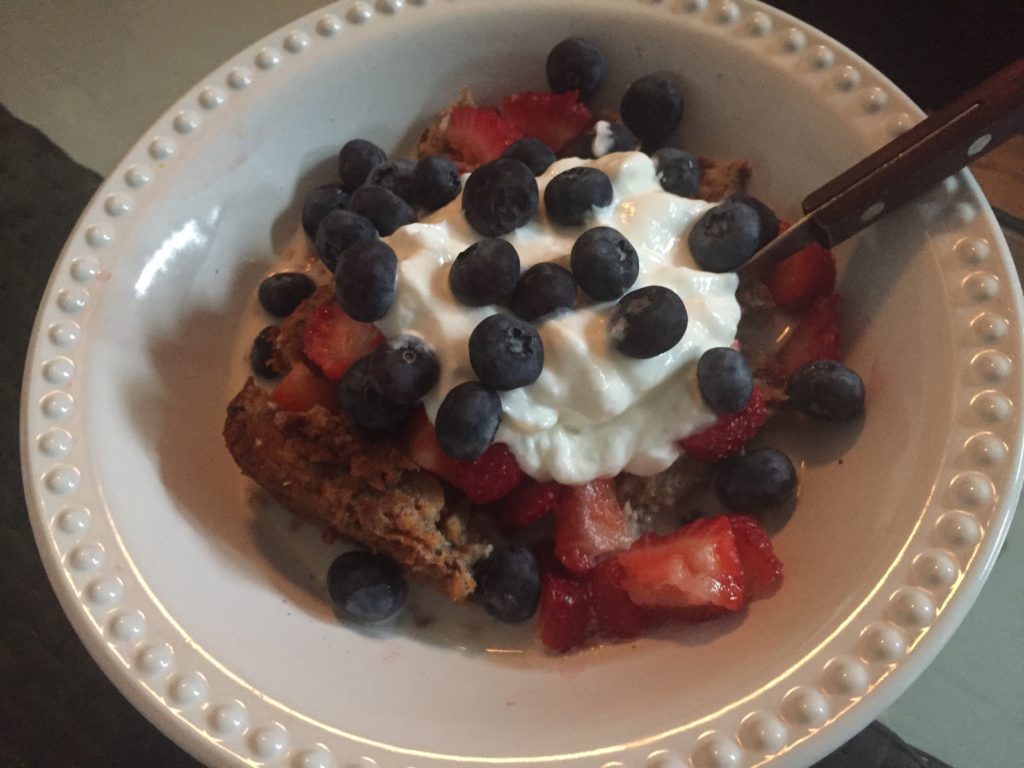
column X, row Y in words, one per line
column 554, row 118
column 728, row 435
column 334, row 341
column 590, row 524
column 698, row 565
column 614, row 613
column 528, row 503
column 485, row 479
column 478, row 135
column 564, row 615
column 816, row 337
column 422, row 446
column 302, row 388
column 762, row 570
column 797, row 281
column 490, row 476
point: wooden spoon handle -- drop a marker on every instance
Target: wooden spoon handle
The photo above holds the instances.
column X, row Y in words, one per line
column 973, row 124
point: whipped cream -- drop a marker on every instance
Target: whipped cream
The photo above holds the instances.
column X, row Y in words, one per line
column 593, row 412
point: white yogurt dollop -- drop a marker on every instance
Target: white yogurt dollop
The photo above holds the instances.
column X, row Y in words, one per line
column 593, row 412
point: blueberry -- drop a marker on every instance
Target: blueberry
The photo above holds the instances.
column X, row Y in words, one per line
column 394, row 176
column 319, row 202
column 404, row 368
column 827, row 390
column 756, row 481
column 365, row 280
column 508, row 584
column 467, row 420
column 262, row 353
column 576, row 64
column 385, row 210
column 724, row 379
column 355, row 161
column 533, row 153
column 725, row 237
column 280, row 294
column 603, row 139
column 543, row 289
column 338, row 232
column 435, row 182
column 769, row 221
column 571, row 195
column 651, row 108
column 506, row 352
column 604, row 263
column 678, row 171
column 647, row 322
column 500, row 196
column 366, row 586
column 485, row 273
column 363, row 403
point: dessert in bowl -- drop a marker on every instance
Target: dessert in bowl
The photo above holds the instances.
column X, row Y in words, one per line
column 219, row 628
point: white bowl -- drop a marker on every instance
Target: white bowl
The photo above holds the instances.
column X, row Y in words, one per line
column 212, row 619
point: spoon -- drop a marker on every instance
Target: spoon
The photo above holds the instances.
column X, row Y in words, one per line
column 959, row 133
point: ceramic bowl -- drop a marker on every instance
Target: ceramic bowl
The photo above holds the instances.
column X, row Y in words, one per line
column 206, row 605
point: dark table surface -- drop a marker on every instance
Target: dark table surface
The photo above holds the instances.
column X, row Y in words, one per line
column 56, row 707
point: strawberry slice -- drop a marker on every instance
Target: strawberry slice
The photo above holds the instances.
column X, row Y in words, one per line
column 477, row 135
column 727, row 436
column 302, row 388
column 816, row 337
column 422, row 446
column 334, row 341
column 590, row 524
column 487, row 478
column 614, row 613
column 554, row 118
column 696, row 566
column 564, row 614
column 530, row 502
column 797, row 281
column 490, row 476
column 762, row 570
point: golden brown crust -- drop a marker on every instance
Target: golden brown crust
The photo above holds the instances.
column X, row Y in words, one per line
column 288, row 341
column 665, row 493
column 721, row 178
column 369, row 492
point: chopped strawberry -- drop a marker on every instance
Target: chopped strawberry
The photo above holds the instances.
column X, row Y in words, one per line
column 797, row 281
column 478, row 135
column 614, row 613
column 490, row 476
column 422, row 446
column 487, row 478
column 762, row 570
column 554, row 118
column 698, row 565
column 302, row 388
column 590, row 524
column 727, row 436
column 334, row 341
column 816, row 337
column 530, row 502
column 565, row 612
